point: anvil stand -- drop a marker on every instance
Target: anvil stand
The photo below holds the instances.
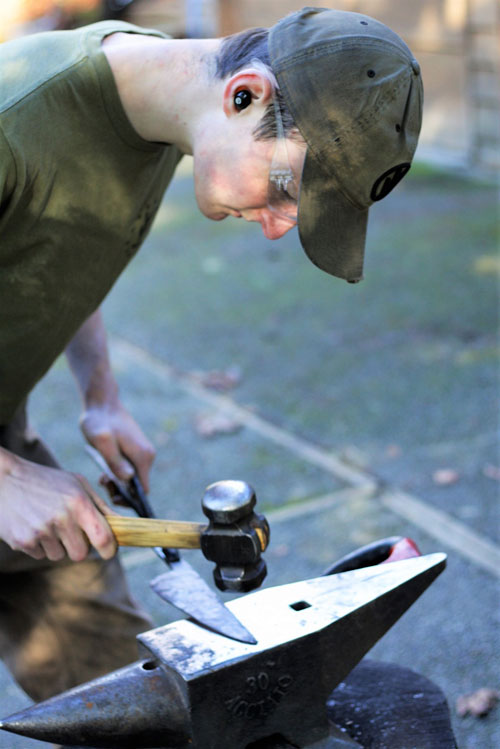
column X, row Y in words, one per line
column 383, row 706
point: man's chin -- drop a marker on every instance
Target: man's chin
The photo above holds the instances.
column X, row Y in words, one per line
column 211, row 214
column 218, row 216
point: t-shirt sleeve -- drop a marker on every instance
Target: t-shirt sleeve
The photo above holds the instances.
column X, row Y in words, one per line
column 7, row 174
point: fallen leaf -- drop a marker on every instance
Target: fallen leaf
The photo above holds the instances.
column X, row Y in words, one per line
column 211, row 424
column 445, row 476
column 221, row 380
column 355, row 457
column 281, row 550
column 161, row 438
column 492, row 472
column 478, row 704
column 393, row 451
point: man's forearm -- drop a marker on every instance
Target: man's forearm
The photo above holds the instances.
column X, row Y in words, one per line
column 88, row 358
column 105, row 423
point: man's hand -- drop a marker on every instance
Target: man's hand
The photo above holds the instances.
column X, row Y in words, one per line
column 49, row 513
column 121, row 442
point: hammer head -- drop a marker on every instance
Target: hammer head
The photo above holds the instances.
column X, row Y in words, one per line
column 235, row 537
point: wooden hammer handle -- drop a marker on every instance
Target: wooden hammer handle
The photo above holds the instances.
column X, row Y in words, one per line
column 175, row 534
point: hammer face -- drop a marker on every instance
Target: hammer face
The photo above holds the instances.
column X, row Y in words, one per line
column 240, row 579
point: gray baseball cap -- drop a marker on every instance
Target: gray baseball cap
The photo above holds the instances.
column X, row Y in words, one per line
column 355, row 92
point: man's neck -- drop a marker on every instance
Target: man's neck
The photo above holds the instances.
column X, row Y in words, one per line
column 165, row 85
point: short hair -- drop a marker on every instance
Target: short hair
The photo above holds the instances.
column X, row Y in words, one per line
column 241, row 49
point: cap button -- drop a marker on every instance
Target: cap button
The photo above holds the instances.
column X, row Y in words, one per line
column 415, row 66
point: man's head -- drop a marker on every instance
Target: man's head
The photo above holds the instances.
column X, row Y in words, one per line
column 236, row 144
column 349, row 94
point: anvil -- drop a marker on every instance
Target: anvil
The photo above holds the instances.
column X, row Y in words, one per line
column 199, row 690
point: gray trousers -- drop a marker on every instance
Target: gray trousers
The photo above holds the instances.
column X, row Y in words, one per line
column 61, row 623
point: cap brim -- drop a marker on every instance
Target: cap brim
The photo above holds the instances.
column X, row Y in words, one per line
column 332, row 230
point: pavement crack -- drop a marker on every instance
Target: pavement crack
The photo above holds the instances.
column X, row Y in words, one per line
column 436, row 523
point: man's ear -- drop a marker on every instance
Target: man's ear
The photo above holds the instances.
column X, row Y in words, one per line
column 252, row 80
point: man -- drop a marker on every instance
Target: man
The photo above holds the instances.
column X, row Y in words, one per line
column 92, row 125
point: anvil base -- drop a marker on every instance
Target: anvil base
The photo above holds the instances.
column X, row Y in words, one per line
column 390, row 707
column 381, row 705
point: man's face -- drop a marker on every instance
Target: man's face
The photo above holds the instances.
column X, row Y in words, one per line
column 232, row 179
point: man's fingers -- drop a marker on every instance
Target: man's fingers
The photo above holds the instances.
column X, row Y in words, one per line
column 141, row 456
column 121, row 467
column 99, row 534
column 53, row 549
column 143, row 476
column 105, row 442
column 89, row 515
column 75, row 542
column 35, row 551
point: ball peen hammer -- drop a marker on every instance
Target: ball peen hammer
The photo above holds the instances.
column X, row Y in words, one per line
column 234, row 537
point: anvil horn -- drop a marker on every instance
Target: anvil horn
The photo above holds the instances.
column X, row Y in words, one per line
column 204, row 691
column 129, row 707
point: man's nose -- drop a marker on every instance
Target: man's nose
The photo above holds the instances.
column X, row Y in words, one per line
column 274, row 226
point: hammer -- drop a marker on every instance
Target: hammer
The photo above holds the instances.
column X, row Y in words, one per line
column 234, row 537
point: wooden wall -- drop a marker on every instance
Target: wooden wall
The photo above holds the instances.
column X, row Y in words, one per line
column 457, row 45
column 456, row 41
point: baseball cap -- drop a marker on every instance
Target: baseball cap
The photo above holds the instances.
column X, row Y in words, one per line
column 355, row 92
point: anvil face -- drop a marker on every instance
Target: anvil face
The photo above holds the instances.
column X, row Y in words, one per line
column 223, row 694
column 282, row 615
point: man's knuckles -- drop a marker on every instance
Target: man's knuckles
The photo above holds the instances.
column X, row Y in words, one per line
column 101, row 537
column 29, row 541
column 102, row 439
column 54, row 551
column 77, row 546
column 148, row 453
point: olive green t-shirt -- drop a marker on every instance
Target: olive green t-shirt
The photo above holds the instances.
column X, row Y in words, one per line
column 79, row 189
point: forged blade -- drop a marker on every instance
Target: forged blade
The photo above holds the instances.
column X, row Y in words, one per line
column 369, row 601
column 183, row 587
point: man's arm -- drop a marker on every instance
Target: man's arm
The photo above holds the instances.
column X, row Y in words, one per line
column 106, row 424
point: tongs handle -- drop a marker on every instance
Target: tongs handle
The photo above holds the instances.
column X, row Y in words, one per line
column 386, row 550
column 130, row 494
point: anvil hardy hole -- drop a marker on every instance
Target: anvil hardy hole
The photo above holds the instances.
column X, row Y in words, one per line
column 149, row 665
column 300, row 605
